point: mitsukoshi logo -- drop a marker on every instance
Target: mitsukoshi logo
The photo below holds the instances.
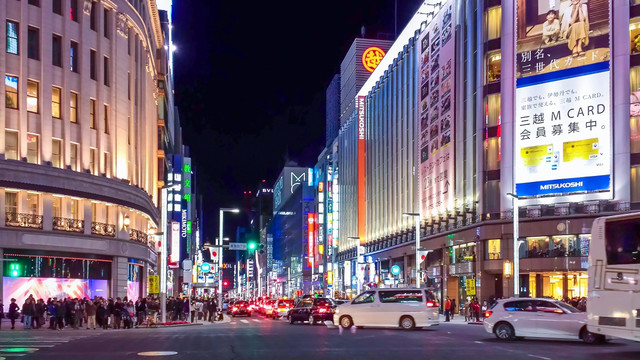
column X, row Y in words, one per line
column 361, row 117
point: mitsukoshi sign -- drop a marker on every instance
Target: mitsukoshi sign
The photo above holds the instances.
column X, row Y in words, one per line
column 562, row 136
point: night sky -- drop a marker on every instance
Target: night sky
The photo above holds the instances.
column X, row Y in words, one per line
column 250, row 81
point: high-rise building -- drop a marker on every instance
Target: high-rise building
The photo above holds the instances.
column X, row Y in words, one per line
column 80, row 164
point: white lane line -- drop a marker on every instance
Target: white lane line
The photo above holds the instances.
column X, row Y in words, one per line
column 232, row 322
column 10, row 346
column 256, row 320
column 540, row 357
column 478, row 342
column 2, row 356
column 33, row 341
column 244, row 321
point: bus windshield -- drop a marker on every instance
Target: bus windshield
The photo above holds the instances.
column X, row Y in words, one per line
column 622, row 240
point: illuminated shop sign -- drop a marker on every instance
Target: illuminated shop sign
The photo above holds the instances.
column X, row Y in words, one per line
column 562, row 125
column 174, row 256
column 372, row 57
column 362, row 118
column 310, row 237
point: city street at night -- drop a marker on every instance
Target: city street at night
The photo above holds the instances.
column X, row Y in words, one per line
column 260, row 338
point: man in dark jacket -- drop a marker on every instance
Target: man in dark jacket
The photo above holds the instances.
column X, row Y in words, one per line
column 28, row 310
column 41, row 308
column 60, row 314
column 90, row 310
column 13, row 313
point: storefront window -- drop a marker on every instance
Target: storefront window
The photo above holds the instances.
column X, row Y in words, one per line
column 538, row 246
column 60, row 267
column 563, row 245
column 494, row 59
column 584, row 239
column 493, row 250
column 462, row 253
column 635, row 182
column 492, row 110
column 634, row 80
column 634, row 34
column 494, row 22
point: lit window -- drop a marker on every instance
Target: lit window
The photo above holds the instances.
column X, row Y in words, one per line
column 73, row 107
column 12, row 37
column 494, row 22
column 74, row 156
column 73, row 10
column 106, row 119
column 11, row 91
column 56, row 153
column 11, row 145
column 32, row 149
column 493, row 66
column 92, row 113
column 92, row 161
column 56, row 95
column 73, row 57
column 32, row 96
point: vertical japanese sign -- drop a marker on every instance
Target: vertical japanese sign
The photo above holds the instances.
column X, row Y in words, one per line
column 436, row 113
column 310, row 238
column 562, row 123
column 362, row 120
column 174, row 255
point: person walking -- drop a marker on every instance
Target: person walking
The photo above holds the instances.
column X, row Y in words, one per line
column 60, row 314
column 447, row 309
column 51, row 308
column 41, row 309
column 1, row 313
column 453, row 308
column 13, row 312
column 28, row 310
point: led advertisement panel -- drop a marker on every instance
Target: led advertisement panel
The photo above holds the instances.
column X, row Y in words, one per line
column 43, row 288
column 562, row 139
column 436, row 113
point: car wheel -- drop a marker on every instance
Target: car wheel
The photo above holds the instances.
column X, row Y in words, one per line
column 504, row 331
column 312, row 320
column 346, row 322
column 407, row 323
column 590, row 338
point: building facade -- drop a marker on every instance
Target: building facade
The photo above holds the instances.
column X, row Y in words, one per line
column 81, row 151
column 451, row 132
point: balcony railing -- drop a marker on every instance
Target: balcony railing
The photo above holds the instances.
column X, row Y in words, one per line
column 139, row 236
column 33, row 221
column 102, row 229
column 70, row 225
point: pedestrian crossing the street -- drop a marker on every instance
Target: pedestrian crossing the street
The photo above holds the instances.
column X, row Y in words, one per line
column 21, row 346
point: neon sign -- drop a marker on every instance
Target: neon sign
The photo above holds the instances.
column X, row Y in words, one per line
column 371, row 57
column 310, row 237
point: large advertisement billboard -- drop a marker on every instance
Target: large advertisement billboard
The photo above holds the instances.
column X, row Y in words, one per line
column 436, row 113
column 562, row 139
column 44, row 288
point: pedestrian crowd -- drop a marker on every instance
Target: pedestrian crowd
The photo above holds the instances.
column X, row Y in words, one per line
column 59, row 314
column 180, row 308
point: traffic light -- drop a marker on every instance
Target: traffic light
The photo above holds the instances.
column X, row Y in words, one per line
column 252, row 246
column 14, row 270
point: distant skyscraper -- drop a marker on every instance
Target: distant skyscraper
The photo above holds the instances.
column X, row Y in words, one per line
column 333, row 110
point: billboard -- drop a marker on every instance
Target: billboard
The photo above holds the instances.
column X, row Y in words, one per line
column 44, row 288
column 436, row 113
column 289, row 181
column 562, row 139
column 362, row 210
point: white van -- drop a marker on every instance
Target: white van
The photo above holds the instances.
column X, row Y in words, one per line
column 406, row 308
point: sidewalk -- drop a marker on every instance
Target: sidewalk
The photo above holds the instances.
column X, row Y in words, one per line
column 459, row 320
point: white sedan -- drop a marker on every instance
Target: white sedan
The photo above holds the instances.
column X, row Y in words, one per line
column 542, row 318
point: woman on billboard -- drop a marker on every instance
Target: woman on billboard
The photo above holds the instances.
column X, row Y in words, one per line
column 578, row 34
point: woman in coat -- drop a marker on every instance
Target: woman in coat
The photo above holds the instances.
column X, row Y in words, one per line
column 13, row 313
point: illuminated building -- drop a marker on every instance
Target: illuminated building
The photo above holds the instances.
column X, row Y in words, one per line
column 83, row 119
column 440, row 141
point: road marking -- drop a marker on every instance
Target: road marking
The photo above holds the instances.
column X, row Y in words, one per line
column 158, row 353
column 256, row 320
column 478, row 342
column 244, row 321
column 540, row 357
column 232, row 322
column 18, row 346
column 11, row 355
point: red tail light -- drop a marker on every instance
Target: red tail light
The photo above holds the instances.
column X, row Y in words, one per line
column 323, row 310
column 431, row 304
column 488, row 313
column 234, row 309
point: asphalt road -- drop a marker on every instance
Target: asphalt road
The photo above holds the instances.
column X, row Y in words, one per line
column 260, row 338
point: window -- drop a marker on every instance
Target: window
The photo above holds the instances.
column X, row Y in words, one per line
column 92, row 161
column 106, row 119
column 129, row 85
column 11, row 202
column 11, row 145
column 494, row 22
column 57, row 206
column 12, row 37
column 11, row 92
column 74, row 156
column 33, row 43
column 94, row 14
column 32, row 96
column 56, row 153
column 365, row 298
column 493, row 66
column 73, row 56
column 73, row 107
column 57, row 7
column 408, row 296
column 74, row 14
column 73, row 206
column 32, row 149
column 129, row 130
column 622, row 241
column 56, row 97
column 564, row 245
column 129, row 39
column 106, row 71
column 462, row 253
column 493, row 249
column 547, row 307
column 34, row 3
column 92, row 113
column 492, row 110
column 538, row 246
column 33, row 203
column 107, row 23
column 92, row 65
column 56, row 50
column 523, row 305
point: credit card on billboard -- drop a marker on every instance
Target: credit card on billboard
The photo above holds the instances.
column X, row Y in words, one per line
column 587, row 149
column 536, row 155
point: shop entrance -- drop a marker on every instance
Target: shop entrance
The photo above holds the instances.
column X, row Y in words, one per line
column 558, row 285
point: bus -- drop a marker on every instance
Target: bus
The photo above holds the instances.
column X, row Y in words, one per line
column 613, row 302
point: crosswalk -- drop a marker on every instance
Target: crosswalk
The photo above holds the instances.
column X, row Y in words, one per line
column 247, row 321
column 16, row 347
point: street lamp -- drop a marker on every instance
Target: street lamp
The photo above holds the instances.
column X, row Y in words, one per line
column 360, row 252
column 417, row 217
column 220, row 237
column 516, row 245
